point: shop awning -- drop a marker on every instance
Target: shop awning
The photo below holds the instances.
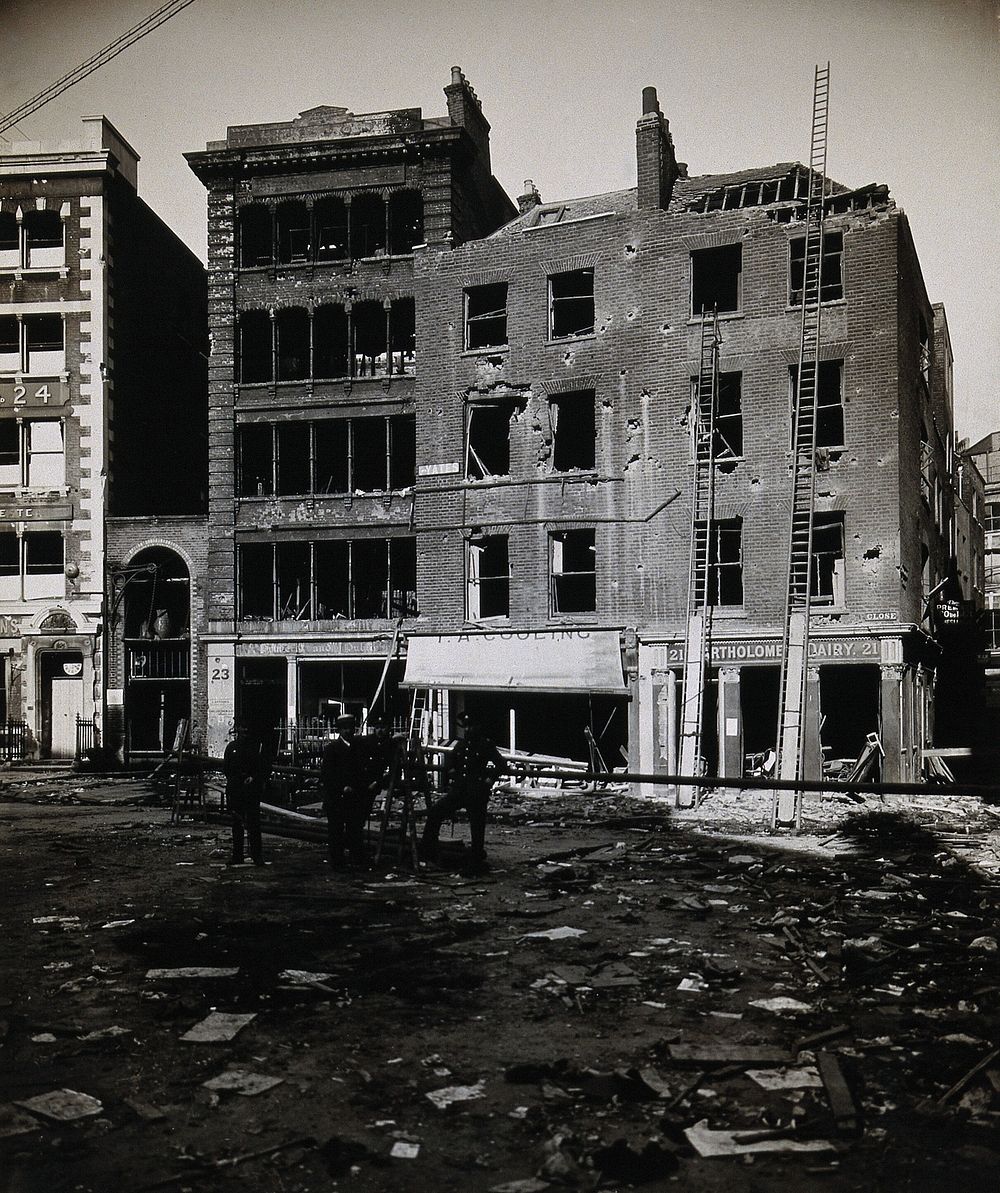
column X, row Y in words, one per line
column 547, row 661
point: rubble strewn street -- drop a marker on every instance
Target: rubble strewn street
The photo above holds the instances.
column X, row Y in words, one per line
column 630, row 997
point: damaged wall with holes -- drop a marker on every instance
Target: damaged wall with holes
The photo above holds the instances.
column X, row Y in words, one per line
column 585, row 316
column 312, row 228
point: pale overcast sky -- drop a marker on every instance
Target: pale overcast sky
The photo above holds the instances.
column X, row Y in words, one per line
column 915, row 101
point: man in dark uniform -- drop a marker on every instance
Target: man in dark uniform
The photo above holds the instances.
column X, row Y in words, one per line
column 344, row 779
column 246, row 768
column 473, row 767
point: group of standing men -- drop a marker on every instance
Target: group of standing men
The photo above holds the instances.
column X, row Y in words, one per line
column 353, row 771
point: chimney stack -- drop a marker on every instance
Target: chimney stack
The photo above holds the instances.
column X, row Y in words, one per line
column 531, row 198
column 657, row 168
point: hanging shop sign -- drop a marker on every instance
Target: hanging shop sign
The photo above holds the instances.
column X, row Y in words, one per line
column 821, row 650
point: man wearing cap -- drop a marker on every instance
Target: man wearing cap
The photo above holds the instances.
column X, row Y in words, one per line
column 344, row 779
column 246, row 768
column 473, row 766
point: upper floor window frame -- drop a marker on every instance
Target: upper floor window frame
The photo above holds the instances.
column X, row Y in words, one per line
column 33, row 241
column 832, row 273
column 572, row 309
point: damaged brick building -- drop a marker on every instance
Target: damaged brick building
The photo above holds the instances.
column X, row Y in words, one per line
column 451, row 445
column 102, row 352
column 554, row 459
column 312, row 552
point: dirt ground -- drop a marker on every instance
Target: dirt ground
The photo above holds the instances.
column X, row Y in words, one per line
column 581, row 1061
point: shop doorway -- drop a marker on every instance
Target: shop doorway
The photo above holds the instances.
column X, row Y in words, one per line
column 261, row 693
column 849, row 700
column 62, row 702
column 556, row 725
column 759, row 695
column 329, row 687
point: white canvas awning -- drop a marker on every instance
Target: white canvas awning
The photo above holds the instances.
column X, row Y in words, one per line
column 546, row 661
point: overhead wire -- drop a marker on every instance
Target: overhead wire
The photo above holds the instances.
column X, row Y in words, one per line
column 110, row 51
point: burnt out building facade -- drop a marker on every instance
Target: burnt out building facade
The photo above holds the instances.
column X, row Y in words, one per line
column 312, row 548
column 102, row 414
column 554, row 447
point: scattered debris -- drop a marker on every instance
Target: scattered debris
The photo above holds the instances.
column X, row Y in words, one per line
column 802, row 1078
column 62, row 1105
column 191, row 971
column 729, row 1054
column 443, row 1098
column 845, row 1111
column 401, row 1150
column 217, row 1027
column 239, row 1081
column 555, row 934
column 707, row 1142
column 14, row 1122
column 780, row 1005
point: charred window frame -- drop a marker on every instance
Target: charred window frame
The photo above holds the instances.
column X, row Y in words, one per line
column 829, row 401
column 487, row 577
column 403, row 577
column 293, row 225
column 292, row 337
column 406, row 221
column 729, row 418
column 571, row 304
column 486, row 316
column 832, row 274
column 403, row 337
column 725, row 562
column 828, row 559
column 331, row 358
column 332, row 229
column 293, row 458
column 717, row 280
column 256, row 459
column 572, row 571
column 572, row 420
column 487, row 438
column 255, row 581
column 368, row 225
column 256, row 347
column 293, row 580
column 370, row 335
column 402, row 451
column 255, row 234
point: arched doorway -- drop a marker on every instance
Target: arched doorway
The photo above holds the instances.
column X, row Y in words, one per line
column 157, row 651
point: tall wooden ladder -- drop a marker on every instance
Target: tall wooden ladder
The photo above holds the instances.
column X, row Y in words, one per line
column 420, row 706
column 787, row 805
column 703, row 412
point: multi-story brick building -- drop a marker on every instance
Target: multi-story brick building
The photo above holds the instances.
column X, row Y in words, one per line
column 554, row 467
column 312, row 561
column 102, row 370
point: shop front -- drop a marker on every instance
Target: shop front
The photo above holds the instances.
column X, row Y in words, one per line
column 558, row 693
column 857, row 685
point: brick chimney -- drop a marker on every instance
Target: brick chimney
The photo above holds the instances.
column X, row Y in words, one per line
column 531, row 198
column 657, row 168
column 465, row 111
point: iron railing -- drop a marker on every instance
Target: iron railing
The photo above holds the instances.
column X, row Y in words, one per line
column 86, row 737
column 13, row 741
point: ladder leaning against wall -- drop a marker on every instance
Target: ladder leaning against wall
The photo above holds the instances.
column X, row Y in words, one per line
column 787, row 805
column 704, row 406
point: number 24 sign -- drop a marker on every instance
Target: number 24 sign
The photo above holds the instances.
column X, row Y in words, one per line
column 35, row 393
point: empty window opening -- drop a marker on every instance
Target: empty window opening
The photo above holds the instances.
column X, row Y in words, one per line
column 293, row 571
column 43, row 343
column 45, row 456
column 256, row 460
column 10, row 452
column 403, row 577
column 256, row 581
column 403, row 337
column 369, row 578
column 829, row 401
column 488, row 577
column 44, row 561
column 256, row 361
column 332, row 242
column 293, row 234
column 828, row 559
column 330, row 356
column 369, row 320
column 10, row 566
column 832, row 277
column 43, row 238
column 571, row 303
column 369, row 455
column 406, row 221
column 402, row 451
column 367, row 225
column 293, row 443
column 574, row 434
column 725, row 562
column 926, row 465
column 924, row 351
column 716, row 279
column 573, row 571
column 9, row 239
column 729, row 417
column 292, row 336
column 488, row 439
column 255, row 230
column 331, row 560
column 10, row 343
column 332, row 456
column 486, row 316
